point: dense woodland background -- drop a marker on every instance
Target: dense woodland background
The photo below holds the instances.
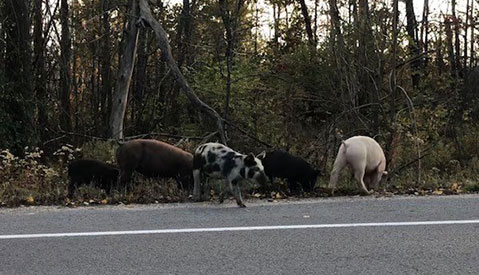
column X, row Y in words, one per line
column 300, row 79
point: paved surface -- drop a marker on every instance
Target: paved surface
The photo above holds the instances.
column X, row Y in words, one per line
column 424, row 249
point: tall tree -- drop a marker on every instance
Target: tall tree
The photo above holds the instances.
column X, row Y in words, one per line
column 457, row 43
column 425, row 29
column 414, row 50
column 231, row 17
column 105, row 60
column 472, row 24
column 65, row 70
column 369, row 79
column 18, row 93
column 449, row 44
column 185, row 33
column 307, row 21
column 466, row 27
column 392, row 142
column 140, row 82
column 127, row 63
column 39, row 67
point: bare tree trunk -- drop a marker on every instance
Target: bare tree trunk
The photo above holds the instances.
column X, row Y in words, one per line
column 256, row 27
column 336, row 35
column 276, row 13
column 315, row 31
column 439, row 55
column 367, row 70
column 231, row 21
column 471, row 62
column 17, row 103
column 140, row 78
column 457, row 48
column 466, row 26
column 391, row 145
column 120, row 98
column 166, row 52
column 414, row 50
column 450, row 47
column 65, row 71
column 39, row 67
column 2, row 49
column 307, row 21
column 185, row 32
column 105, row 60
column 425, row 29
column 228, row 25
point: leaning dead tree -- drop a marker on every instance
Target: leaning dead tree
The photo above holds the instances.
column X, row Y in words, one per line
column 127, row 63
column 147, row 18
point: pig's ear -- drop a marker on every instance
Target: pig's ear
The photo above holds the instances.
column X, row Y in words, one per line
column 249, row 160
column 262, row 155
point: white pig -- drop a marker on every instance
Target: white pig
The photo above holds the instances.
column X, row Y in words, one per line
column 365, row 157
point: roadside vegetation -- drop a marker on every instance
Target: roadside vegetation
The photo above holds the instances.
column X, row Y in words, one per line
column 298, row 76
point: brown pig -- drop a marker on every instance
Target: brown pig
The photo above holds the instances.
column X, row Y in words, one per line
column 366, row 158
column 153, row 158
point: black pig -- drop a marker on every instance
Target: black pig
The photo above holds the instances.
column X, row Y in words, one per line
column 85, row 171
column 294, row 169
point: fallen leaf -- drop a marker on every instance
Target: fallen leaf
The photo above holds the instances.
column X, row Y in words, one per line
column 30, row 200
column 454, row 186
column 438, row 192
column 105, row 201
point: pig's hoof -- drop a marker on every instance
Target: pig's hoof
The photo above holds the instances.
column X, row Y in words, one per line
column 241, row 205
column 366, row 193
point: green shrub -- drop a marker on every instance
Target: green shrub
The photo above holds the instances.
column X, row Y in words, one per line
column 100, row 150
column 24, row 180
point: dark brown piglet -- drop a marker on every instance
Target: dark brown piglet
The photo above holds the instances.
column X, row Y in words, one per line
column 86, row 171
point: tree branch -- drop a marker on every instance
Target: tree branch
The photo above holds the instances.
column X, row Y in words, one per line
column 147, row 17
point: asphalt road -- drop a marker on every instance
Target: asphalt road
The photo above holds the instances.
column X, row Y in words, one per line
column 406, row 249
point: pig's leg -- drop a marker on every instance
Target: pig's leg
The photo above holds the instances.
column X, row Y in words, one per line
column 125, row 179
column 376, row 179
column 237, row 192
column 359, row 170
column 197, row 183
column 226, row 191
column 338, row 166
column 293, row 187
column 71, row 188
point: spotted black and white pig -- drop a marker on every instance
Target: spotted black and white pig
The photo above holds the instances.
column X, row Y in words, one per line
column 217, row 160
column 294, row 169
column 86, row 171
column 153, row 158
column 365, row 156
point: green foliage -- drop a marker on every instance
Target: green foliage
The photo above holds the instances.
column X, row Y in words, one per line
column 24, row 180
column 284, row 91
column 100, row 150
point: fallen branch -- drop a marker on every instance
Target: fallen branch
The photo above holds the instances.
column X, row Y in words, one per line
column 422, row 155
column 166, row 135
